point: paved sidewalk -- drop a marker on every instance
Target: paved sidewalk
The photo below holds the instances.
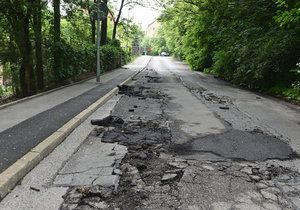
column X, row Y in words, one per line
column 13, row 115
column 26, row 124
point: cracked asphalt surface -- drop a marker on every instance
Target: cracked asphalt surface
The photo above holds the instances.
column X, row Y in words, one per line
column 185, row 141
column 183, row 155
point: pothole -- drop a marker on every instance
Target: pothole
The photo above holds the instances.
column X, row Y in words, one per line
column 140, row 91
column 157, row 79
column 237, row 144
column 132, row 132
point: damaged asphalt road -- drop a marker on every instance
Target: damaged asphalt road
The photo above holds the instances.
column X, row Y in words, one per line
column 170, row 144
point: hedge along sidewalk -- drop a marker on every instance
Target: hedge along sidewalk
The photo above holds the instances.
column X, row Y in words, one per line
column 12, row 175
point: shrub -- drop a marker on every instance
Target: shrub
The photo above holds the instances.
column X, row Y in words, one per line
column 81, row 60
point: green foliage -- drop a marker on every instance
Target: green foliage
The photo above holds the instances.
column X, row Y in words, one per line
column 252, row 43
column 112, row 57
column 129, row 34
column 75, row 49
column 5, row 91
column 76, row 60
column 288, row 13
column 293, row 92
column 81, row 60
column 1, row 90
column 155, row 45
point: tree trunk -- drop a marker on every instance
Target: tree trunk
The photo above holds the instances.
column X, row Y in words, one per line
column 56, row 39
column 37, row 26
column 93, row 25
column 31, row 75
column 25, row 48
column 92, row 21
column 104, row 29
column 116, row 22
column 115, row 30
column 19, row 20
column 14, row 77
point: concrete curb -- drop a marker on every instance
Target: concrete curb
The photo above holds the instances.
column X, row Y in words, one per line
column 12, row 175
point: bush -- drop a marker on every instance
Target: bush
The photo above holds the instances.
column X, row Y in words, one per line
column 1, row 90
column 112, row 56
column 77, row 61
column 5, row 91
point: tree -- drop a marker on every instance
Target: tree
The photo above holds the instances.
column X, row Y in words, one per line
column 18, row 15
column 56, row 39
column 130, row 34
column 123, row 3
column 37, row 27
column 36, row 39
column 104, row 28
column 91, row 7
column 117, row 19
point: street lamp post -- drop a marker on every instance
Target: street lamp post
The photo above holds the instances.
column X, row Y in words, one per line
column 98, row 41
column 128, row 22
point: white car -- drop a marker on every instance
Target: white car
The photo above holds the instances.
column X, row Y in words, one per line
column 164, row 54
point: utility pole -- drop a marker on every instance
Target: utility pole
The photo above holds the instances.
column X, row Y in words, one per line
column 98, row 41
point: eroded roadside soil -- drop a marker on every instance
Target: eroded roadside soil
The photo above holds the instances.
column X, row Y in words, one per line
column 234, row 168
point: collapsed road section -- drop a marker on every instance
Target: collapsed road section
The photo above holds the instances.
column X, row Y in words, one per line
column 166, row 150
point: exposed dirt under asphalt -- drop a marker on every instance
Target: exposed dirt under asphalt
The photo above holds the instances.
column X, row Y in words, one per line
column 232, row 169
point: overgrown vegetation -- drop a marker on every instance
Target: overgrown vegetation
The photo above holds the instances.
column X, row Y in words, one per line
column 255, row 44
column 47, row 43
column 155, row 45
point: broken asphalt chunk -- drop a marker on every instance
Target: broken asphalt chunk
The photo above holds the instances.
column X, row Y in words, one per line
column 224, row 107
column 168, row 177
column 117, row 171
column 108, row 121
column 141, row 166
column 255, row 178
column 247, row 170
column 139, row 155
column 123, row 88
column 35, row 189
column 180, row 165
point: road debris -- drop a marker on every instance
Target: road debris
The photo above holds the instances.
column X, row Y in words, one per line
column 35, row 189
column 110, row 120
column 156, row 174
column 168, row 177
